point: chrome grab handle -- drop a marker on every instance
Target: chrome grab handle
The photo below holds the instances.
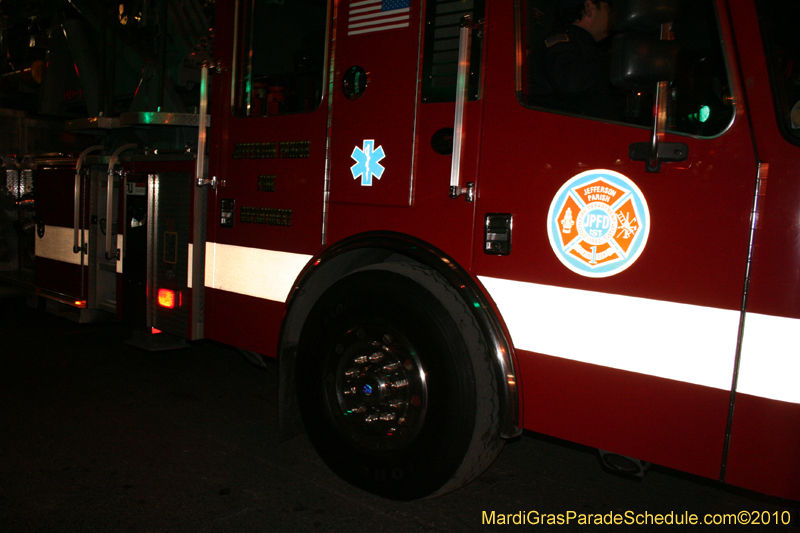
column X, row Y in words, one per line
column 660, row 111
column 200, row 164
column 659, row 124
column 110, row 201
column 78, row 247
column 464, row 47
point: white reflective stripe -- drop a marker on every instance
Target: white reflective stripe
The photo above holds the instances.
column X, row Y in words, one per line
column 57, row 244
column 670, row 340
column 267, row 274
column 770, row 364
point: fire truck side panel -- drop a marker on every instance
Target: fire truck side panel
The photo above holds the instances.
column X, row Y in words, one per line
column 58, row 268
column 271, row 172
column 668, row 319
column 160, row 209
column 765, row 434
column 404, row 122
column 776, row 256
column 249, row 323
column 631, row 348
column 61, row 277
column 366, row 133
column 764, row 446
column 663, row 421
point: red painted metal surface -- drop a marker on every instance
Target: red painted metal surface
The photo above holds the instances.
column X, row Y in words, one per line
column 765, row 446
column 408, row 199
column 391, row 76
column 696, row 254
column 699, row 209
column 659, row 420
column 249, row 323
column 60, row 277
column 776, row 269
column 55, row 201
column 765, row 441
column 299, row 186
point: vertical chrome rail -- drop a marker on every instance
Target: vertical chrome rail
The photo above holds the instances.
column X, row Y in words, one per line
column 660, row 111
column 77, row 245
column 110, row 201
column 755, row 223
column 200, row 162
column 464, row 48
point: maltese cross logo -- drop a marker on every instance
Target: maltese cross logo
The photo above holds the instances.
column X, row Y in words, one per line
column 367, row 162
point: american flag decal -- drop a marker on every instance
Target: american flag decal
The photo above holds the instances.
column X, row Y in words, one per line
column 366, row 16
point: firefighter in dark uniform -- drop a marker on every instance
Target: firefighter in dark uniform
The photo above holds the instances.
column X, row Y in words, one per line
column 569, row 69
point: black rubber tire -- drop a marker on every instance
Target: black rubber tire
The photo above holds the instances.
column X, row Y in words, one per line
column 451, row 419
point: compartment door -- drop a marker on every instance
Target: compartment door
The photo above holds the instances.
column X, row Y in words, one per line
column 622, row 290
column 374, row 92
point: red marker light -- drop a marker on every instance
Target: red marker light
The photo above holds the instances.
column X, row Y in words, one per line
column 166, row 298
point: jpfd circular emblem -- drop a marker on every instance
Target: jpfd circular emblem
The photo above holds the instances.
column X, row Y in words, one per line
column 598, row 223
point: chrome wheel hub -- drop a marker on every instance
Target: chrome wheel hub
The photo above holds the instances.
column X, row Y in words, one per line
column 376, row 388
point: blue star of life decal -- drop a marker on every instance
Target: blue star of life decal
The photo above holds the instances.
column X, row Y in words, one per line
column 367, row 162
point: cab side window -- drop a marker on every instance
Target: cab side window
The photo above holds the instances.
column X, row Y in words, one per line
column 440, row 57
column 782, row 45
column 280, row 55
column 565, row 56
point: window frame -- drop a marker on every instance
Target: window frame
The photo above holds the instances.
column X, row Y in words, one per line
column 242, row 53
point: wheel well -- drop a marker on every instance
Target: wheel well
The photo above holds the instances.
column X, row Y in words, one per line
column 362, row 251
column 326, row 273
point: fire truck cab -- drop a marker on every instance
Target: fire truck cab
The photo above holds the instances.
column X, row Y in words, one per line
column 441, row 254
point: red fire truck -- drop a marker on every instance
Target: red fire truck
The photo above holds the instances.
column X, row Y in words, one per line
column 440, row 259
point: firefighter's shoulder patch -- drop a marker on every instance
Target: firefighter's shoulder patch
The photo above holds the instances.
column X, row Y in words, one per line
column 555, row 39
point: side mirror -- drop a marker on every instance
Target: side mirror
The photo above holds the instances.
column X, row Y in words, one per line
column 642, row 15
column 642, row 62
column 638, row 63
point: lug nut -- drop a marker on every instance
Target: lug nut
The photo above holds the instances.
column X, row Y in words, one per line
column 400, row 383
column 392, row 367
column 374, row 358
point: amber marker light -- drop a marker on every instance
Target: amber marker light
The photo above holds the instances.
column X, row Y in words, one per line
column 166, row 298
